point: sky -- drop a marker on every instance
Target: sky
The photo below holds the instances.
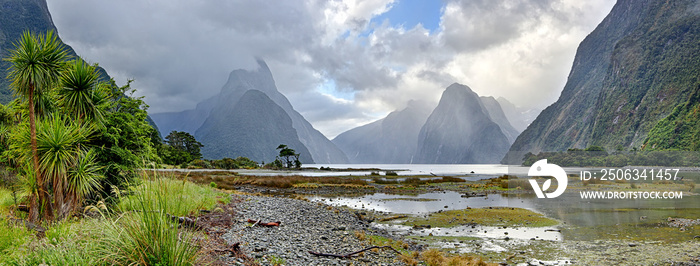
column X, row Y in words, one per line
column 341, row 63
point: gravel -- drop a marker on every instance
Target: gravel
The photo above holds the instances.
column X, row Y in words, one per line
column 305, row 226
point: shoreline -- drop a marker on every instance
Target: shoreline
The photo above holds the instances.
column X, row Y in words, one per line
column 314, row 226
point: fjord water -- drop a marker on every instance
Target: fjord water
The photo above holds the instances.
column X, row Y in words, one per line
column 426, row 169
column 573, row 211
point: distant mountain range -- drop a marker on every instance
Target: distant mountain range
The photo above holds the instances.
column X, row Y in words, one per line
column 391, row 140
column 218, row 122
column 633, row 85
column 463, row 128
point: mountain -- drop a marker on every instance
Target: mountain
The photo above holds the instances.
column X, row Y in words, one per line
column 680, row 130
column 254, row 127
column 518, row 117
column 239, row 82
column 460, row 130
column 390, row 140
column 497, row 115
column 629, row 74
column 17, row 16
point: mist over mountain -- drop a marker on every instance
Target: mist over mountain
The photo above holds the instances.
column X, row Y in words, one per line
column 218, row 109
column 392, row 139
column 254, row 127
column 519, row 117
column 497, row 115
column 460, row 131
column 637, row 67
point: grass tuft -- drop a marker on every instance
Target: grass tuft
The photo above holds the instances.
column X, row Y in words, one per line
column 144, row 234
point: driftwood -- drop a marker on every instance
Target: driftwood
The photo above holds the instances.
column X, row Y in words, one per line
column 352, row 253
column 254, row 222
column 233, row 249
column 184, row 221
column 552, row 230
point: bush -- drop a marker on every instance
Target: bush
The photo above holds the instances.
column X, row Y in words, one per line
column 240, row 162
column 199, row 164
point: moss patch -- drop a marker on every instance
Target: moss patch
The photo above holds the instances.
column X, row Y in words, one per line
column 484, row 216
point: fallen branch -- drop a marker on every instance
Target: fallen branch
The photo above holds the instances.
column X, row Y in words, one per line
column 346, row 256
column 254, row 222
column 233, row 249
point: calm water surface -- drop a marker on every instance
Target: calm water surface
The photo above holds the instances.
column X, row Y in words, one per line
column 569, row 208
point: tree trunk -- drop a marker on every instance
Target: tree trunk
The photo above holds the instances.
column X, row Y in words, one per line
column 44, row 207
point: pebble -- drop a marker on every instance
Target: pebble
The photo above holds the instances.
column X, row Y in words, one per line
column 305, row 227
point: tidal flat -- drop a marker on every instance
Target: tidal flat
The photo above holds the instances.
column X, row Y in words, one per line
column 497, row 218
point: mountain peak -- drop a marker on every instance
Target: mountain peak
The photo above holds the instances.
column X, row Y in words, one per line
column 457, row 87
column 460, row 130
column 220, row 106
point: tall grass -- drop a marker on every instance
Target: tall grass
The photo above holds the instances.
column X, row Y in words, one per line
column 136, row 231
column 145, row 235
column 175, row 197
column 66, row 243
column 6, row 199
column 11, row 237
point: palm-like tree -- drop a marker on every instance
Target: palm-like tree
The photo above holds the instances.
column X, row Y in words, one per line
column 70, row 170
column 79, row 92
column 36, row 65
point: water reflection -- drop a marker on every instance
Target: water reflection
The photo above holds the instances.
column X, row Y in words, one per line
column 569, row 208
column 423, row 203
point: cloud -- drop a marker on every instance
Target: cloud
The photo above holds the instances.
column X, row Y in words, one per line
column 180, row 52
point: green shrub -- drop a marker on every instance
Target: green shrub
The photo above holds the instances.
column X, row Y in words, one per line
column 199, row 164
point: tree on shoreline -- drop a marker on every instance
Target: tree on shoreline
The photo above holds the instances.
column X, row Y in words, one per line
column 289, row 157
column 180, row 147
